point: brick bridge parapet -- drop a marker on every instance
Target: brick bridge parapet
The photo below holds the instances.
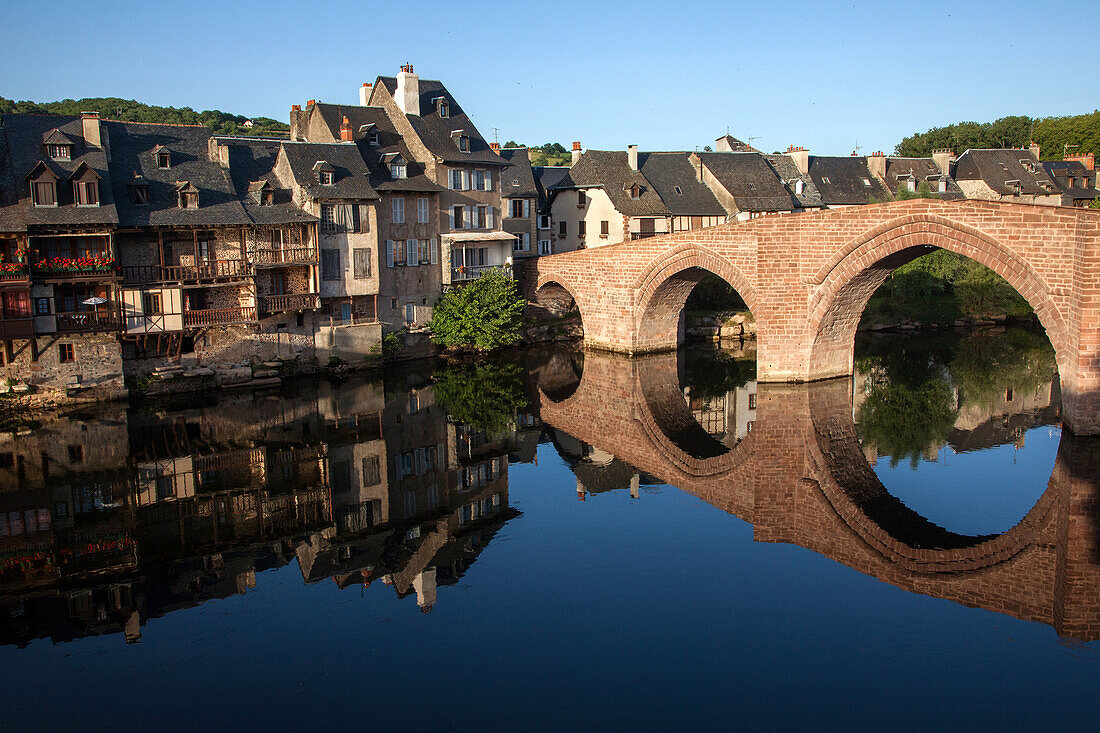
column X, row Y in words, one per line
column 800, row 477
column 807, row 278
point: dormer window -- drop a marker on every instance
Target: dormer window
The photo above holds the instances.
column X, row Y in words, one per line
column 164, row 160
column 372, row 137
column 86, row 193
column 867, row 182
column 635, row 191
column 60, row 152
column 188, row 195
column 262, row 193
column 139, row 194
column 58, row 145
column 44, row 193
column 371, row 132
column 464, row 144
column 515, row 183
column 398, row 169
column 325, row 177
column 267, row 198
column 752, row 186
column 678, row 190
column 799, row 185
column 443, row 106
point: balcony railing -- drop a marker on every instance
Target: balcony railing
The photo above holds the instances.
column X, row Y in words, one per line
column 104, row 319
column 285, row 256
column 644, row 235
column 201, row 272
column 14, row 273
column 218, row 316
column 473, row 272
column 57, row 270
column 294, row 302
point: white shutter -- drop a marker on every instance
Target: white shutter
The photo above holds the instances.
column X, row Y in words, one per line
column 435, row 252
column 468, row 219
column 489, row 217
column 389, row 253
column 488, row 180
column 451, row 214
column 465, row 180
column 410, row 252
column 526, row 208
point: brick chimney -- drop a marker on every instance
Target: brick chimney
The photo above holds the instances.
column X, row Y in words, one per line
column 495, row 147
column 876, row 164
column 1034, row 148
column 345, row 130
column 408, row 91
column 801, row 158
column 364, row 94
column 576, row 152
column 943, row 158
column 1088, row 160
column 632, row 157
column 90, row 122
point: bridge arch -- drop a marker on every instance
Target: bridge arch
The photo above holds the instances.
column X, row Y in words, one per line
column 847, row 281
column 663, row 287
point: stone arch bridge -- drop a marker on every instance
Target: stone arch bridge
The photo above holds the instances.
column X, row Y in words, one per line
column 807, row 278
column 800, row 477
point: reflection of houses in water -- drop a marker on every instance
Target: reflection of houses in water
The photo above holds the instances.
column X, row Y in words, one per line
column 598, row 471
column 109, row 522
column 728, row 417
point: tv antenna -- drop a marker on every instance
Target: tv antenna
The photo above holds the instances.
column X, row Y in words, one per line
column 496, row 134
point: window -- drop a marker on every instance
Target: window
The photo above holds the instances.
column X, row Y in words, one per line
column 752, row 401
column 561, row 228
column 139, row 194
column 456, row 180
column 325, row 177
column 825, row 179
column 411, row 257
column 604, row 227
column 267, row 198
column 422, row 210
column 678, row 191
column 44, row 193
column 65, row 353
column 410, row 503
column 42, row 306
column 522, row 243
column 943, row 185
column 164, row 160
column 464, row 144
column 544, row 247
column 520, row 208
column 444, row 108
column 544, row 221
column 18, row 304
column 482, row 218
column 189, row 199
column 361, row 262
column 428, row 251
column 479, row 180
column 399, row 211
column 372, row 137
column 397, row 170
column 151, row 304
column 580, row 199
column 76, row 452
column 867, row 182
column 60, row 152
column 393, row 303
column 328, row 218
column 581, row 227
column 395, row 254
column 330, row 264
column 488, row 181
column 752, row 186
column 515, row 183
column 457, row 217
column 371, row 471
column 636, row 191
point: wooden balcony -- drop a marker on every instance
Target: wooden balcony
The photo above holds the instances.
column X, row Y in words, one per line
column 48, row 274
column 16, row 328
column 203, row 272
column 18, row 276
column 285, row 256
column 295, row 302
column 472, row 272
column 218, row 316
column 104, row 319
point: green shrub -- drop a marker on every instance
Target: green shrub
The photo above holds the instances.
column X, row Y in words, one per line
column 484, row 314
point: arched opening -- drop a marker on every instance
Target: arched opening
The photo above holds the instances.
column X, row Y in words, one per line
column 556, row 307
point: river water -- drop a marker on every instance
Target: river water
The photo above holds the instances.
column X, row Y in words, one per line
column 557, row 538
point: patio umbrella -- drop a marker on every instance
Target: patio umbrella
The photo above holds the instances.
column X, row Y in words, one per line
column 94, row 300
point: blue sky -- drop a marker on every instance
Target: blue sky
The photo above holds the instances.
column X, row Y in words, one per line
column 666, row 76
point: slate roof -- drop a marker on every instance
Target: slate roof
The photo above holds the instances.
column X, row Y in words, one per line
column 352, row 177
column 389, row 141
column 517, row 180
column 1060, row 171
column 23, row 149
column 840, row 180
column 435, row 131
column 671, row 171
column 134, row 147
column 922, row 169
column 997, row 166
column 788, row 173
column 610, row 170
column 751, row 181
column 251, row 165
column 547, row 178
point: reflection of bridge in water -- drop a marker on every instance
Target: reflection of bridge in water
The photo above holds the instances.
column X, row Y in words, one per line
column 800, row 477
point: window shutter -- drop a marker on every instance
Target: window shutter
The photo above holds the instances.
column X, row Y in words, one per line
column 468, row 217
column 465, row 180
column 489, row 217
column 410, row 252
column 435, row 252
column 451, row 214
column 488, row 180
column 354, row 217
column 389, row 253
column 526, row 208
column 338, row 217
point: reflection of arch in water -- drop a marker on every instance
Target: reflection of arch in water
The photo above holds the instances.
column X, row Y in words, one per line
column 559, row 377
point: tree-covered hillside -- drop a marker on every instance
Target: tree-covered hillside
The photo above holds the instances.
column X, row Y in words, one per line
column 1080, row 132
column 221, row 123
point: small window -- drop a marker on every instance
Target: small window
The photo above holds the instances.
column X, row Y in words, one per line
column 44, row 193
column 422, row 210
column 60, row 152
column 361, row 262
column 164, row 160
column 328, row 218
column 42, row 306
column 515, row 182
column 604, row 228
column 635, row 191
column 393, row 303
column 267, row 198
column 464, row 144
column 825, row 179
column 65, row 353
column 189, row 199
column 544, row 247
column 76, row 452
column 397, row 170
column 325, row 177
column 86, row 193
column 581, row 199
column 867, row 182
column 139, row 195
column 372, row 137
column 561, row 228
column 752, row 186
column 444, row 108
column 399, row 210
column 544, row 221
column 330, row 264
column 151, row 304
column 679, row 191
column 582, row 226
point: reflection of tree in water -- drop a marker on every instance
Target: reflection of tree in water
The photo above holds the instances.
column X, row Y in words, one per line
column 711, row 372
column 484, row 394
column 915, row 384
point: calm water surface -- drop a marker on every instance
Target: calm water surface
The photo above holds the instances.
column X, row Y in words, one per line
column 565, row 539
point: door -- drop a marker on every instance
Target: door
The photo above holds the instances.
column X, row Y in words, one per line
column 410, row 313
column 345, row 312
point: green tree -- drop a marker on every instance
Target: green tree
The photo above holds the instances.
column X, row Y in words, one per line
column 484, row 314
column 486, row 395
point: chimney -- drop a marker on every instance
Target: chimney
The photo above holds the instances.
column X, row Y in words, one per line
column 943, row 158
column 1088, row 160
column 408, row 91
column 722, row 144
column 576, row 152
column 345, row 130
column 632, row 156
column 1034, row 150
column 876, row 164
column 801, row 158
column 364, row 94
column 495, row 147
column 296, row 122
column 90, row 121
column 218, row 152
